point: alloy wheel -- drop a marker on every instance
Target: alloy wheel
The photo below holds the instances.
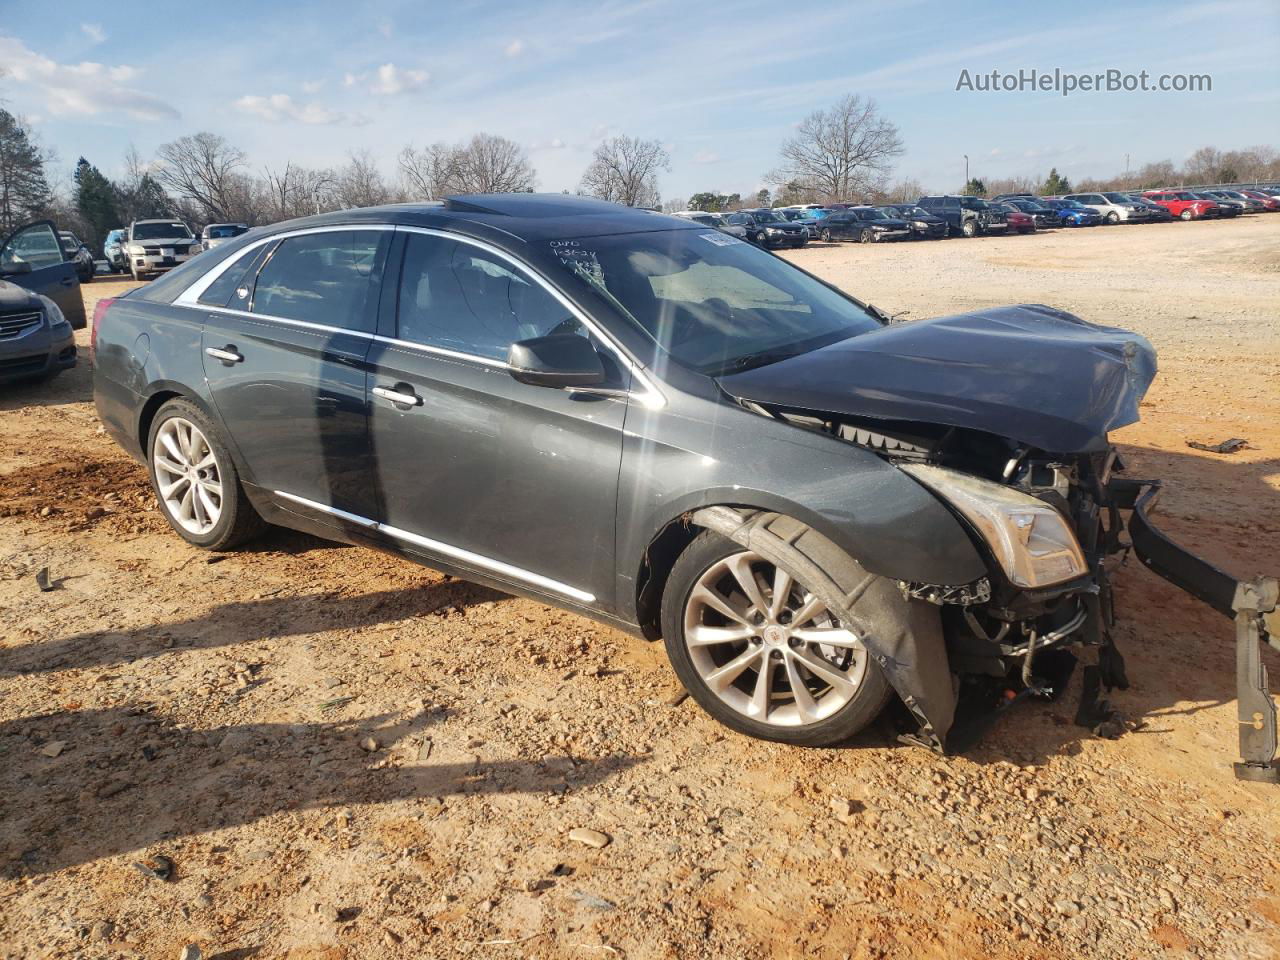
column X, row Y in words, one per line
column 188, row 477
column 767, row 647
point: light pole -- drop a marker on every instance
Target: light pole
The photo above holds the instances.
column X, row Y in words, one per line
column 966, row 171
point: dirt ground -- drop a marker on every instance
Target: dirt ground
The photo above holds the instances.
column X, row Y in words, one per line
column 342, row 755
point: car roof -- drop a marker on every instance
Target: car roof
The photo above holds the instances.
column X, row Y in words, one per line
column 528, row 217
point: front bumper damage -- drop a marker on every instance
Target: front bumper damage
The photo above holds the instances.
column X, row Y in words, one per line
column 1254, row 605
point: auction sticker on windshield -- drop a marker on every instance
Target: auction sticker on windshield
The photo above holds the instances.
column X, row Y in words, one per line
column 719, row 239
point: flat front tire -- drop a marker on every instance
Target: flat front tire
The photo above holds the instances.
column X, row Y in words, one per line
column 195, row 479
column 760, row 653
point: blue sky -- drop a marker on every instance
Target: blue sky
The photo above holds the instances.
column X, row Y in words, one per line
column 722, row 84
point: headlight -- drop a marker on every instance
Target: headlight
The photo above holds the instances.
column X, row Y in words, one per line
column 772, row 230
column 52, row 311
column 1030, row 539
column 136, row 249
column 920, row 224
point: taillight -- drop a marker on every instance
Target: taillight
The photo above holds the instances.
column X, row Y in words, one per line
column 99, row 309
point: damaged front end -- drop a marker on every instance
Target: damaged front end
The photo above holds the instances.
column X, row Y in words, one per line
column 1005, row 418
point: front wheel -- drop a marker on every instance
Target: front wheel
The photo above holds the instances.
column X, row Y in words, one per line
column 195, row 480
column 969, row 228
column 825, row 236
column 867, row 236
column 761, row 653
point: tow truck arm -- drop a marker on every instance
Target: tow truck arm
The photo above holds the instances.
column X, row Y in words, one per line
column 1254, row 605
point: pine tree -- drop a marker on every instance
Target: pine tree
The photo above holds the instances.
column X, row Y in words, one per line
column 24, row 190
column 96, row 201
column 1055, row 186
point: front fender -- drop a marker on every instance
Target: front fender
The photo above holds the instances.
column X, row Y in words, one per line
column 673, row 464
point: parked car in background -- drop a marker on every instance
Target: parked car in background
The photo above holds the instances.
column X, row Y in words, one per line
column 216, row 233
column 1114, row 207
column 1018, row 221
column 1155, row 212
column 1013, row 196
column 686, row 439
column 1045, row 218
column 924, row 225
column 1247, row 203
column 769, row 229
column 154, row 246
column 1269, row 202
column 1226, row 208
column 715, row 220
column 863, row 224
column 1072, row 214
column 113, row 250
column 32, row 257
column 967, row 216
column 77, row 253
column 1183, row 204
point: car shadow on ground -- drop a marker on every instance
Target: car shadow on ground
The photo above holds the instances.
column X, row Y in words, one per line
column 77, row 786
column 244, row 622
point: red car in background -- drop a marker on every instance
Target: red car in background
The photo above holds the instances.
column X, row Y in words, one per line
column 1183, row 205
column 1266, row 199
column 1017, row 220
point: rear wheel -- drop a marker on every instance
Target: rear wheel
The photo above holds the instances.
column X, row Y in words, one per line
column 195, row 480
column 1186, row 215
column 761, row 653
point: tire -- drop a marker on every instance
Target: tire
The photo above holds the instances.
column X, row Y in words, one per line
column 834, row 715
column 1186, row 215
column 867, row 236
column 825, row 236
column 1113, row 218
column 237, row 521
column 969, row 228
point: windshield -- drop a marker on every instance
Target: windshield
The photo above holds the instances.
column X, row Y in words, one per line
column 869, row 214
column 160, row 231
column 114, row 236
column 767, row 216
column 714, row 303
column 223, row 232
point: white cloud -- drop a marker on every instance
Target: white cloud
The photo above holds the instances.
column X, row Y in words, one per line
column 514, row 48
column 94, row 32
column 312, row 86
column 391, row 80
column 279, row 107
column 706, row 156
column 85, row 88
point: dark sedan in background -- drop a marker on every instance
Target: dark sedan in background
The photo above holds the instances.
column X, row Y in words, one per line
column 863, row 224
column 36, row 341
column 769, row 229
column 1044, row 217
column 924, row 225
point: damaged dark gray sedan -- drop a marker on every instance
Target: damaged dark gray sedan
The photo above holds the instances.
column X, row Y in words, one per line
column 672, row 431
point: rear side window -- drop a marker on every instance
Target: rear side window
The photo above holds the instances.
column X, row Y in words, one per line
column 223, row 291
column 325, row 278
column 458, row 297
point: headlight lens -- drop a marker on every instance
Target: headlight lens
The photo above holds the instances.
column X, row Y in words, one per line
column 52, row 311
column 136, row 249
column 1030, row 539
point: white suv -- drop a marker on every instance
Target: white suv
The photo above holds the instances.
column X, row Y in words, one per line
column 154, row 246
column 1114, row 207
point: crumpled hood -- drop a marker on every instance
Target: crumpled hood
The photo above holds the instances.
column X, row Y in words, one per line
column 14, row 297
column 1030, row 373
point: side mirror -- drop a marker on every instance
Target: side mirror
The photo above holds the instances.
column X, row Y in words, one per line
column 567, row 360
column 18, row 266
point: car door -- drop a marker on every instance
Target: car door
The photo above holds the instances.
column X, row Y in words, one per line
column 514, row 480
column 285, row 358
column 32, row 257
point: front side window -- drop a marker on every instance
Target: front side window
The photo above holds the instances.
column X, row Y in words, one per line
column 324, row 278
column 713, row 303
column 37, row 245
column 457, row 296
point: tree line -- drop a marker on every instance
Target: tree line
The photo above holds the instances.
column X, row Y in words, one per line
column 844, row 152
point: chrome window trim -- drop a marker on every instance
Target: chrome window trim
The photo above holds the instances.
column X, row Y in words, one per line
column 448, row 550
column 648, row 394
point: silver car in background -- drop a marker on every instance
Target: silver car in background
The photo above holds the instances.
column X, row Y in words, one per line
column 715, row 220
column 154, row 246
column 216, row 233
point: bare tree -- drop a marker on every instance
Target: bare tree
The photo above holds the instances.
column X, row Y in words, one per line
column 485, row 164
column 625, row 170
column 841, row 152
column 203, row 168
column 298, row 191
column 360, row 183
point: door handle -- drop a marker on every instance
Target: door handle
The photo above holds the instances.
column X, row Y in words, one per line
column 68, row 281
column 227, row 354
column 401, row 395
